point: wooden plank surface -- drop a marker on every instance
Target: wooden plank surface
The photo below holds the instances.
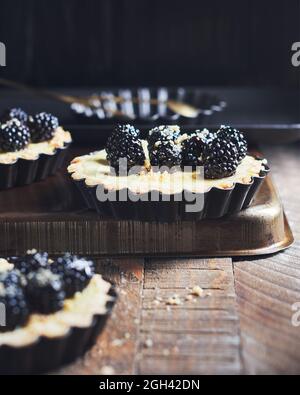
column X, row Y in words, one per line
column 241, row 324
column 267, row 288
column 115, row 351
column 201, row 333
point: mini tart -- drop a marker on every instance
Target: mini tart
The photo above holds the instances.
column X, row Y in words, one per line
column 220, row 197
column 35, row 162
column 50, row 341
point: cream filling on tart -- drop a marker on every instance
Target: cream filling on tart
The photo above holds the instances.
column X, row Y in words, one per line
column 32, row 152
column 77, row 312
column 95, row 170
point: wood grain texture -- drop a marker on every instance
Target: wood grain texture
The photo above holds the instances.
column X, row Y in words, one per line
column 199, row 335
column 115, row 351
column 267, row 288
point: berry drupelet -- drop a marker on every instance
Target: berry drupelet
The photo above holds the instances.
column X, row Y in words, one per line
column 14, row 136
column 45, row 292
column 123, row 145
column 42, row 127
column 75, row 273
column 221, row 159
column 14, row 113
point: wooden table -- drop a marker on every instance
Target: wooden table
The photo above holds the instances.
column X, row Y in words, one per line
column 243, row 324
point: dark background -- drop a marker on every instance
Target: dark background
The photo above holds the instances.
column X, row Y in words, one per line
column 131, row 42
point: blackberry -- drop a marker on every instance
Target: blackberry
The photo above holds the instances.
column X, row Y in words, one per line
column 165, row 153
column 44, row 291
column 15, row 306
column 42, row 127
column 235, row 136
column 124, row 144
column 31, row 262
column 221, row 159
column 163, row 133
column 14, row 136
column 193, row 147
column 75, row 272
column 14, row 113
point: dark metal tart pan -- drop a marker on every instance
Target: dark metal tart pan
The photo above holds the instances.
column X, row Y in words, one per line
column 217, row 203
column 25, row 172
column 49, row 354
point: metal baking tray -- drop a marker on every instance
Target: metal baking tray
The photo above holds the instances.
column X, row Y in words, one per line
column 268, row 115
column 264, row 115
column 52, row 216
column 205, row 102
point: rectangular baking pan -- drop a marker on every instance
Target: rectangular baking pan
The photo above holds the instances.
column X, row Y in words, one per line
column 265, row 114
column 51, row 216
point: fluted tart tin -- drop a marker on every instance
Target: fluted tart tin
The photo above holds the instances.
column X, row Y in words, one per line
column 131, row 198
column 47, row 354
column 24, row 172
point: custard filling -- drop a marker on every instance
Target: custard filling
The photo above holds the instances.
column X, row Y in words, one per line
column 95, row 170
